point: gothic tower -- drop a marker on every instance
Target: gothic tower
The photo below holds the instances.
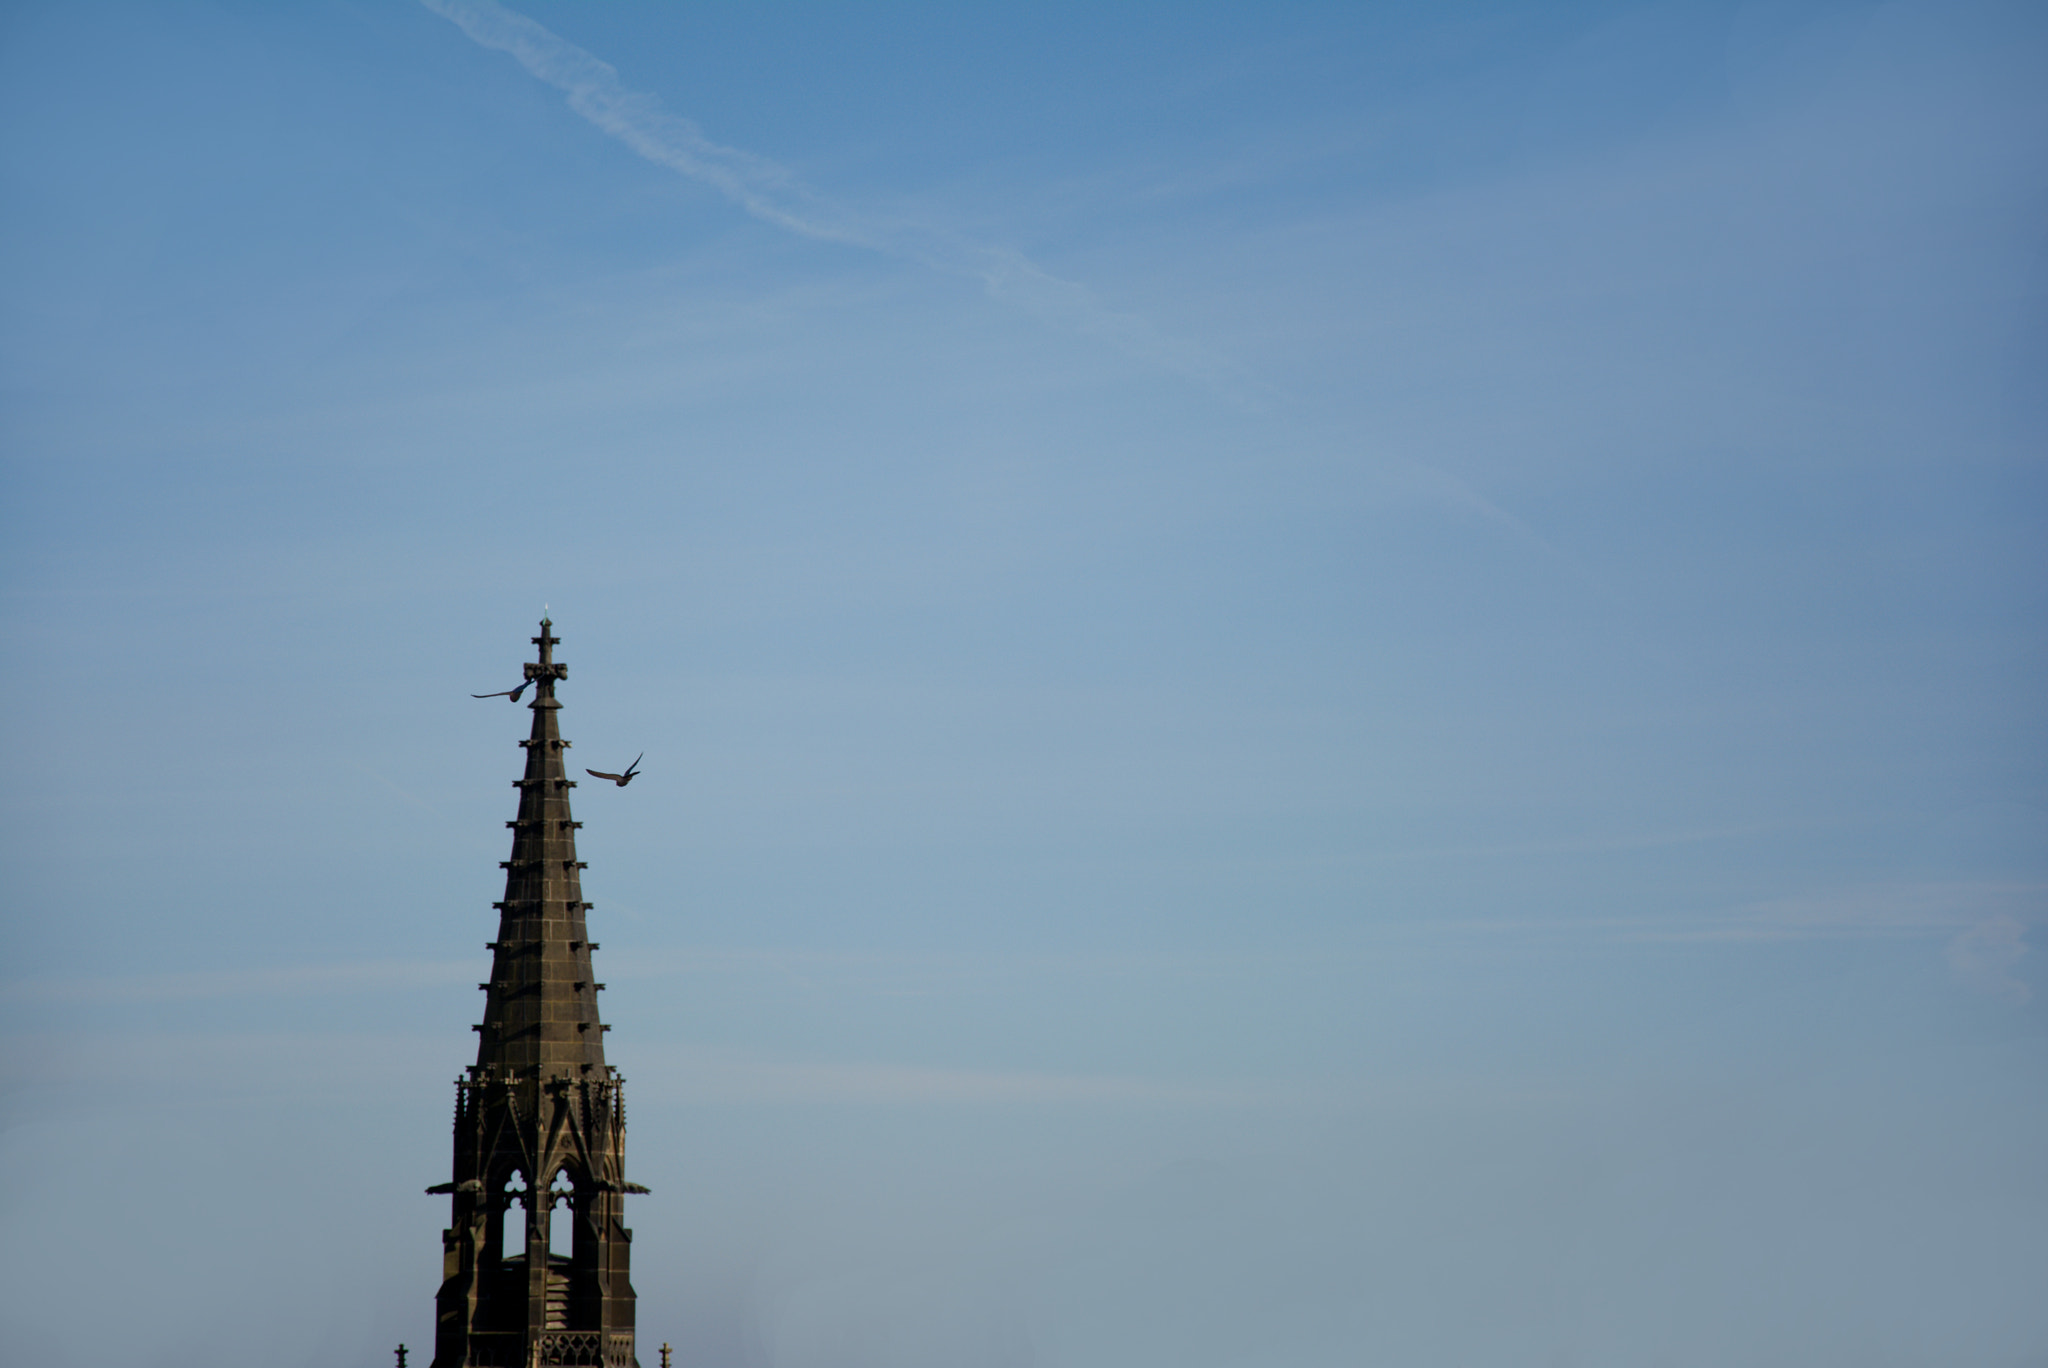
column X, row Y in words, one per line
column 540, row 1120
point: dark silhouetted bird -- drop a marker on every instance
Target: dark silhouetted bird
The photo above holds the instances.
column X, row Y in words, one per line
column 620, row 779
column 512, row 694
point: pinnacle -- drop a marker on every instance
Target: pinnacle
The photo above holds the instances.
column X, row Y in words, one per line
column 540, row 1006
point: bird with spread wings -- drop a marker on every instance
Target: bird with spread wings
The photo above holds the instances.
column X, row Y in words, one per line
column 620, row 779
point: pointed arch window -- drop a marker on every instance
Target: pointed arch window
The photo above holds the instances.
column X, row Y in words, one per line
column 515, row 1216
column 562, row 1216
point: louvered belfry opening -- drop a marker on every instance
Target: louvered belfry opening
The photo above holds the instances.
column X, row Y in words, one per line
column 540, row 1118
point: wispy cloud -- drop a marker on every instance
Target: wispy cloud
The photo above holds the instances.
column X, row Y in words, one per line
column 759, row 186
column 1987, row 921
column 1985, row 956
column 773, row 194
column 1985, row 924
column 1584, row 845
column 407, row 794
column 289, row 980
column 676, row 1073
column 707, row 1074
column 251, row 1064
column 1882, row 910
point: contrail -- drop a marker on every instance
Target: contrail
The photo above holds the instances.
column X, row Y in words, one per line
column 638, row 120
column 772, row 194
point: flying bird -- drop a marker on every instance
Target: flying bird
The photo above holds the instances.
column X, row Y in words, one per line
column 620, row 779
column 512, row 694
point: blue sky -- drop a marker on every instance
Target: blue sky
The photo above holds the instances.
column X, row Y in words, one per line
column 1320, row 683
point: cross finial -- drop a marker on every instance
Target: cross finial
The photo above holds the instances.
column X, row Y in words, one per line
column 664, row 1354
column 401, row 1356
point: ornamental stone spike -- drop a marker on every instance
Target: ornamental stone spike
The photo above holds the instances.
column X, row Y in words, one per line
column 540, row 1119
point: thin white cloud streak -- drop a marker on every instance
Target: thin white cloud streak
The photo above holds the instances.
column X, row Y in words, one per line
column 395, row 787
column 1985, row 956
column 759, row 186
column 693, row 1074
column 290, row 980
column 1987, row 920
column 257, row 1064
column 1889, row 910
column 722, row 1075
column 774, row 195
column 1449, row 491
column 708, row 1075
column 1443, row 487
column 1590, row 845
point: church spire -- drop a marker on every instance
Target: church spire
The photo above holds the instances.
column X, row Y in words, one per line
column 540, row 1119
column 540, row 1008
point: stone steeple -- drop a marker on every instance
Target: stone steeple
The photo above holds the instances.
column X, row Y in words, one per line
column 540, row 1119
